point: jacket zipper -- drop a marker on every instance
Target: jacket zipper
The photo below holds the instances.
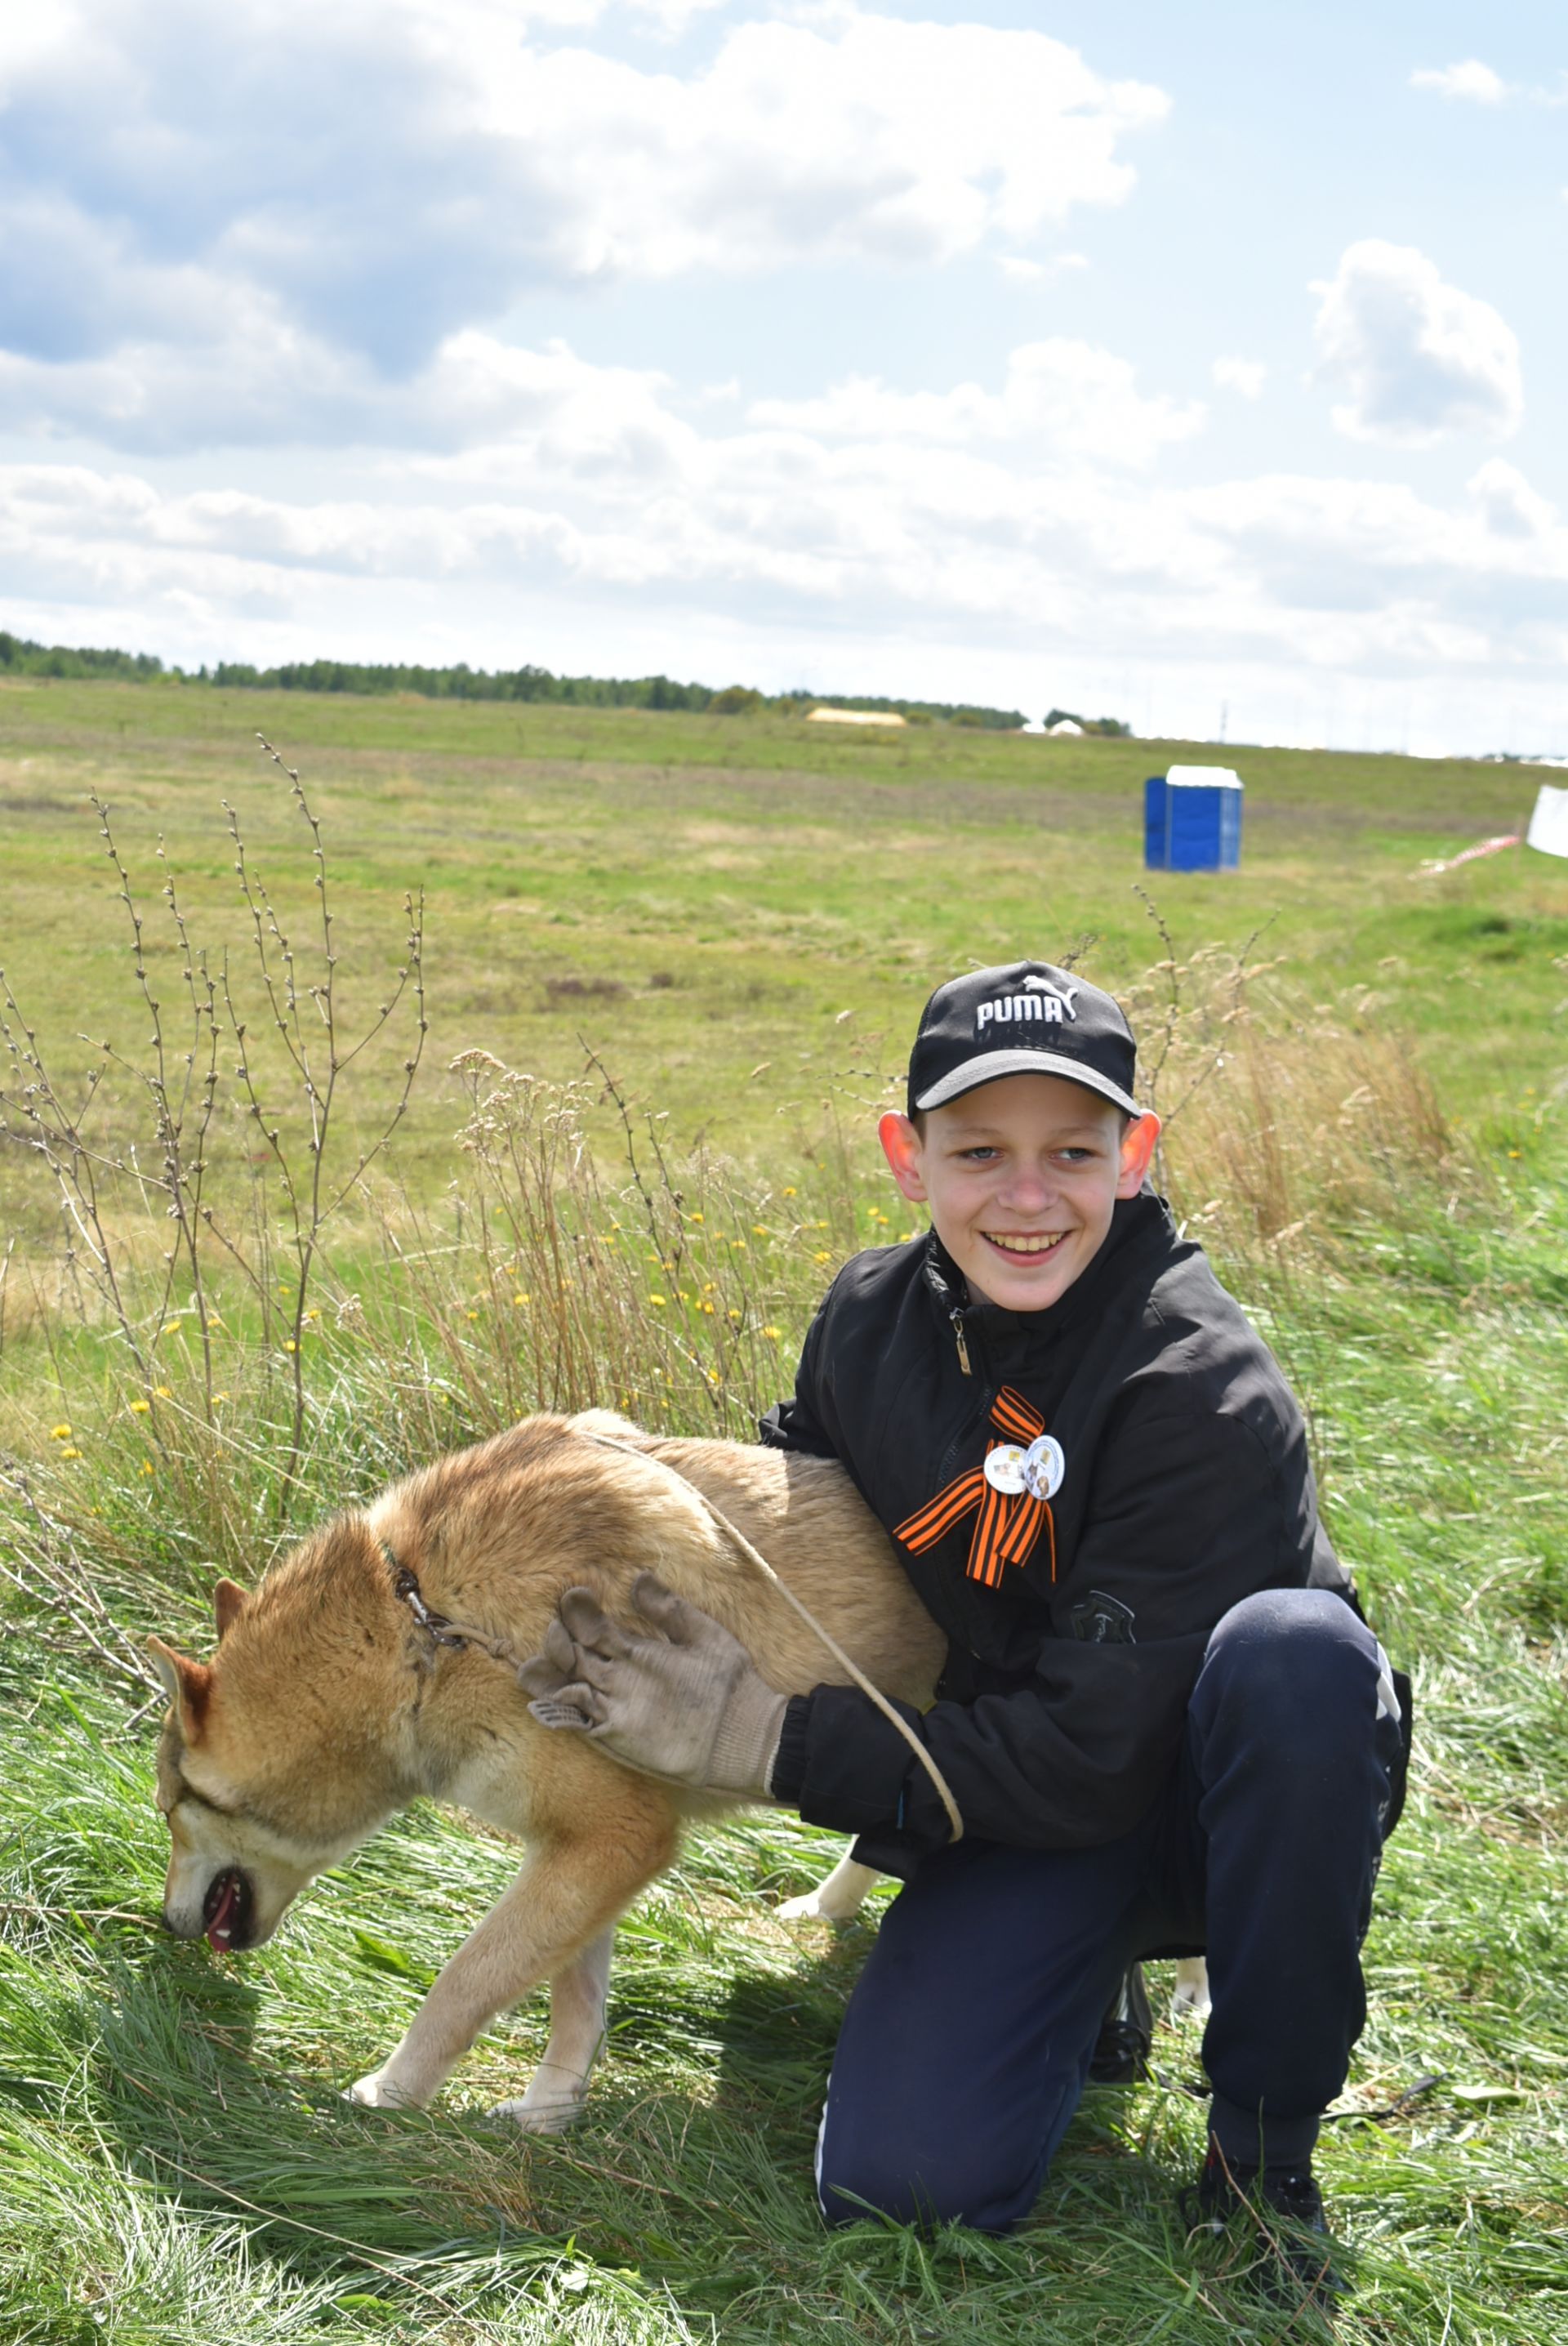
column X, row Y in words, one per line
column 957, row 1318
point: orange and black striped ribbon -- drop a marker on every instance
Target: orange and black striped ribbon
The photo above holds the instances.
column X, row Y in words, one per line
column 1007, row 1523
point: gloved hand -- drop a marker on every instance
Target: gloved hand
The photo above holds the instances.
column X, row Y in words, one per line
column 687, row 1705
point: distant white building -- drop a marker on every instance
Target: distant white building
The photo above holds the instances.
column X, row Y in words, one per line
column 1065, row 725
column 854, row 717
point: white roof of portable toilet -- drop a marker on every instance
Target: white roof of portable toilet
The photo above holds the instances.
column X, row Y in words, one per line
column 1212, row 777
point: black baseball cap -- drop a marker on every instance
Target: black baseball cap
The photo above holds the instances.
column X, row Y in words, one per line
column 1026, row 1018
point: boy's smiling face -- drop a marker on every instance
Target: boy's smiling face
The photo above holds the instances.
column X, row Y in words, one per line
column 1021, row 1177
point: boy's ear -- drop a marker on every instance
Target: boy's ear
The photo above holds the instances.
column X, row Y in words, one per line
column 1137, row 1151
column 904, row 1151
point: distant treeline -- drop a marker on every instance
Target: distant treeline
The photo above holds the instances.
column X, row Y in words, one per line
column 20, row 658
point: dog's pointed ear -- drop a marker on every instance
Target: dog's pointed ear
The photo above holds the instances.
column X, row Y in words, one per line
column 228, row 1601
column 187, row 1684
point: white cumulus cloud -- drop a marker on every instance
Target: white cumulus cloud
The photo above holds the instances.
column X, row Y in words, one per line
column 967, row 522
column 1470, row 80
column 1063, row 397
column 1245, row 376
column 1415, row 357
column 372, row 177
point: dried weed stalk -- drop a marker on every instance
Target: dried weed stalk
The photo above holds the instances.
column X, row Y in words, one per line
column 186, row 1083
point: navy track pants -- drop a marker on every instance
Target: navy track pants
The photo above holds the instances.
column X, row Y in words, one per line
column 967, row 2039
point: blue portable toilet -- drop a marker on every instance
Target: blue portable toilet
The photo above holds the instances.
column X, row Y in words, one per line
column 1191, row 819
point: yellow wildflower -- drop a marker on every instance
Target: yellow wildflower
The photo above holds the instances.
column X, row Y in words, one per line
column 140, row 1408
column 760, row 1229
column 70, row 1451
column 823, row 1255
column 59, row 1434
column 518, row 1300
column 163, row 1393
column 146, row 1466
column 789, row 1193
column 171, row 1329
column 659, row 1299
column 771, row 1334
column 289, row 1345
column 733, row 1313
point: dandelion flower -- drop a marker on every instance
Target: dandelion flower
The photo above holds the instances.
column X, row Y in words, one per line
column 146, row 1466
column 821, row 1255
column 789, row 1193
column 59, row 1434
column 474, row 1315
column 693, row 1217
column 171, row 1329
column 733, row 1313
column 518, row 1300
column 659, row 1299
column 163, row 1393
column 70, row 1451
column 289, row 1345
column 771, row 1334
column 140, row 1408
column 760, row 1229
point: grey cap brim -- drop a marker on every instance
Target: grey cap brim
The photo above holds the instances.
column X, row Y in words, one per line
column 996, row 1063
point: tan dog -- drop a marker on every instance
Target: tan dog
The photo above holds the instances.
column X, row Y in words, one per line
column 328, row 1705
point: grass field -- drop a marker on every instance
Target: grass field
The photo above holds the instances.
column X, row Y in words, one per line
column 1377, row 1165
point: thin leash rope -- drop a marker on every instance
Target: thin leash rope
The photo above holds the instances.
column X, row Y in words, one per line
column 755, row 1556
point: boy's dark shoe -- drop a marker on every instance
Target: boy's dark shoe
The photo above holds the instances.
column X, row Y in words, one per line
column 1121, row 2054
column 1296, row 2258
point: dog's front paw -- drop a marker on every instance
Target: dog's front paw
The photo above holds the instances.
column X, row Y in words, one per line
column 807, row 1908
column 377, row 2092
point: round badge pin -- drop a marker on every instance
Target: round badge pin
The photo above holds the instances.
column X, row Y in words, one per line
column 1045, row 1463
column 1006, row 1468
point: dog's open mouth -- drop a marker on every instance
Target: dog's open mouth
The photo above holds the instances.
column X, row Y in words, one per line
column 226, row 1911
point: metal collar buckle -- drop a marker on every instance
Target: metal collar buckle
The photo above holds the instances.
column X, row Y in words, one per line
column 406, row 1587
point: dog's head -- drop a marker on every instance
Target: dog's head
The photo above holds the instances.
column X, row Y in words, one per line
column 259, row 1799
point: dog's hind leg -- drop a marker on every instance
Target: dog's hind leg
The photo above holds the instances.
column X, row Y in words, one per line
column 836, row 1899
column 557, row 2088
column 556, row 1922
column 1189, row 1997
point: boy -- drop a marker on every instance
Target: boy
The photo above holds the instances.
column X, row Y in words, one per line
column 1166, row 1725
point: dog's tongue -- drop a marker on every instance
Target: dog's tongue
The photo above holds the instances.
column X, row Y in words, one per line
column 220, row 1929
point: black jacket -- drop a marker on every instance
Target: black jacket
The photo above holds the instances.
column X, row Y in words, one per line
column 1187, row 1486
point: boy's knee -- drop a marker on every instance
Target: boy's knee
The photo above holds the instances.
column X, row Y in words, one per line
column 884, row 2182
column 1293, row 1660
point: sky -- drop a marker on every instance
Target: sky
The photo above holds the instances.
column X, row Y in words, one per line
column 1200, row 367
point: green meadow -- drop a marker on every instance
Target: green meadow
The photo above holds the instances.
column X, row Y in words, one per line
column 676, row 958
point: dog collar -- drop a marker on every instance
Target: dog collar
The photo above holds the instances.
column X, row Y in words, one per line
column 436, row 1627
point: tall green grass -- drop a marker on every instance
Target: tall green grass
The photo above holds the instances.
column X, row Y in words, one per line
column 178, row 2163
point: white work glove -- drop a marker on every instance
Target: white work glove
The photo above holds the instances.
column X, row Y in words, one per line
column 685, row 1705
